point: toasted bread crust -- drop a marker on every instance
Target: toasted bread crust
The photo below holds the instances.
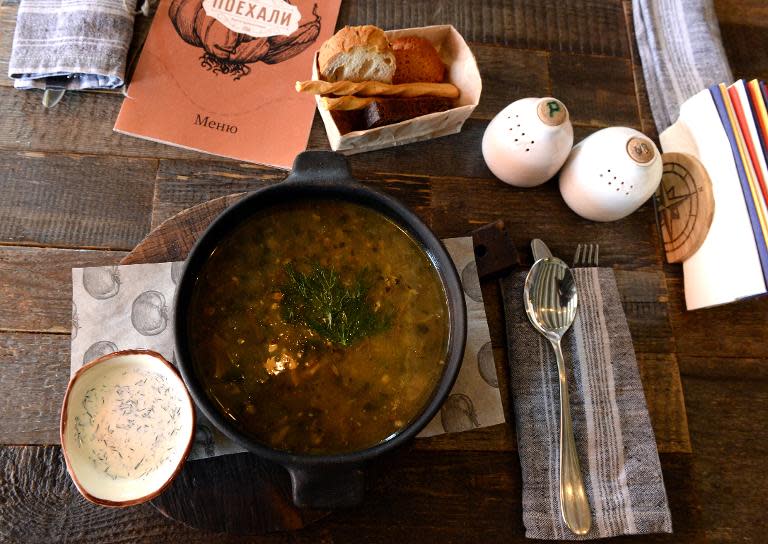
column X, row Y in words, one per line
column 352, row 36
column 417, row 60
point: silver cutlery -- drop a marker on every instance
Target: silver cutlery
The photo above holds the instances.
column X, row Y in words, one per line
column 550, row 303
column 586, row 255
column 540, row 249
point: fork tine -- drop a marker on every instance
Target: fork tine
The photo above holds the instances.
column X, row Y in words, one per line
column 587, row 255
column 576, row 256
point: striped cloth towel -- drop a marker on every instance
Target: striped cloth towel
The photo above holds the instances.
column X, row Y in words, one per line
column 614, row 438
column 681, row 52
column 71, row 44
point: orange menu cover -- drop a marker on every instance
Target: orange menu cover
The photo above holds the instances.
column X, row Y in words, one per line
column 218, row 76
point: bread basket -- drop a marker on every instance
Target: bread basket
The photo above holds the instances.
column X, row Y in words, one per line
column 461, row 70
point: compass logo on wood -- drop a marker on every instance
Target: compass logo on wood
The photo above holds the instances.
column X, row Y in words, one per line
column 686, row 205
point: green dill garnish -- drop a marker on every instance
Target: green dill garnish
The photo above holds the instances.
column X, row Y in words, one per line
column 337, row 311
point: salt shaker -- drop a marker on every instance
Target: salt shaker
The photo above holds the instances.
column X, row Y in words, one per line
column 528, row 141
column 610, row 174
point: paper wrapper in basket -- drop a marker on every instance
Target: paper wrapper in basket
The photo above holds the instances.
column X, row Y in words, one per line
column 461, row 71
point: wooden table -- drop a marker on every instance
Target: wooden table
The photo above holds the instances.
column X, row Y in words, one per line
column 73, row 193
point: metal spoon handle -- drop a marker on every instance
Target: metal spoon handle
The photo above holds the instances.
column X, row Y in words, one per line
column 574, row 504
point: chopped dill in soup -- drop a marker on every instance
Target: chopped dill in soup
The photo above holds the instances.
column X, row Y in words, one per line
column 319, row 327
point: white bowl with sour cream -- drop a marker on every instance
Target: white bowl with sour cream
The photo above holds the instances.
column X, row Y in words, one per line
column 127, row 426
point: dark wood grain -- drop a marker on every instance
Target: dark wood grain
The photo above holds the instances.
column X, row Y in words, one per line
column 727, row 400
column 34, row 370
column 597, row 91
column 733, row 330
column 664, row 395
column 746, row 46
column 81, row 123
column 413, row 497
column 183, row 184
column 36, row 286
column 74, row 200
column 252, row 496
column 508, row 75
column 579, row 26
column 461, row 205
column 35, row 486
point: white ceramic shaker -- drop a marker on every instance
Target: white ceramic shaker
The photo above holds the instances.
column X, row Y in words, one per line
column 528, row 141
column 610, row 174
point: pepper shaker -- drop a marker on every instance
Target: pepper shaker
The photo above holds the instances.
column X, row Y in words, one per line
column 610, row 174
column 528, row 141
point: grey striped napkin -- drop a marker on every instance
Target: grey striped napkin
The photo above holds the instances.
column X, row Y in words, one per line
column 681, row 51
column 71, row 44
column 614, row 438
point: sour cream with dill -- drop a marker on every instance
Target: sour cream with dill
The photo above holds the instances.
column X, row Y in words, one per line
column 128, row 423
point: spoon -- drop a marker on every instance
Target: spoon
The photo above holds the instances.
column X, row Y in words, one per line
column 550, row 302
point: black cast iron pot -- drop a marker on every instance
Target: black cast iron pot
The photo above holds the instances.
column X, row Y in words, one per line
column 325, row 481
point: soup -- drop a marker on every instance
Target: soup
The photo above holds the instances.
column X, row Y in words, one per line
column 318, row 327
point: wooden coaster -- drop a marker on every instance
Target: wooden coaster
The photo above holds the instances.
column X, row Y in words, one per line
column 238, row 493
column 686, row 205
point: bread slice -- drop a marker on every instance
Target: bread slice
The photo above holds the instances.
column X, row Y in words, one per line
column 386, row 111
column 357, row 53
column 417, row 61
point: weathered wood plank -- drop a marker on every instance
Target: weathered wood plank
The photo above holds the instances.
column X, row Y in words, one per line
column 449, row 496
column 183, row 184
column 456, row 155
column 75, row 200
column 727, row 400
column 34, row 370
column 598, row 91
column 752, row 12
column 81, row 123
column 745, row 46
column 36, row 286
column 664, row 396
column 734, row 330
column 508, row 75
column 35, row 486
column 578, row 26
column 461, row 205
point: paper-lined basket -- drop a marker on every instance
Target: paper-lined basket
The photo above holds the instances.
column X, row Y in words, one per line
column 461, row 70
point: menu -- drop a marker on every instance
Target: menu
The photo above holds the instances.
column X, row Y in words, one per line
column 217, row 76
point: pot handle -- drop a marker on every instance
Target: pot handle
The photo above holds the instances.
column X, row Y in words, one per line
column 320, row 166
column 327, row 487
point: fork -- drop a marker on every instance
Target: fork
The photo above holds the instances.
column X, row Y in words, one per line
column 587, row 255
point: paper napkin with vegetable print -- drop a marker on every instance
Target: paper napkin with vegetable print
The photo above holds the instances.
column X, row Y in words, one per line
column 614, row 438
column 131, row 306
